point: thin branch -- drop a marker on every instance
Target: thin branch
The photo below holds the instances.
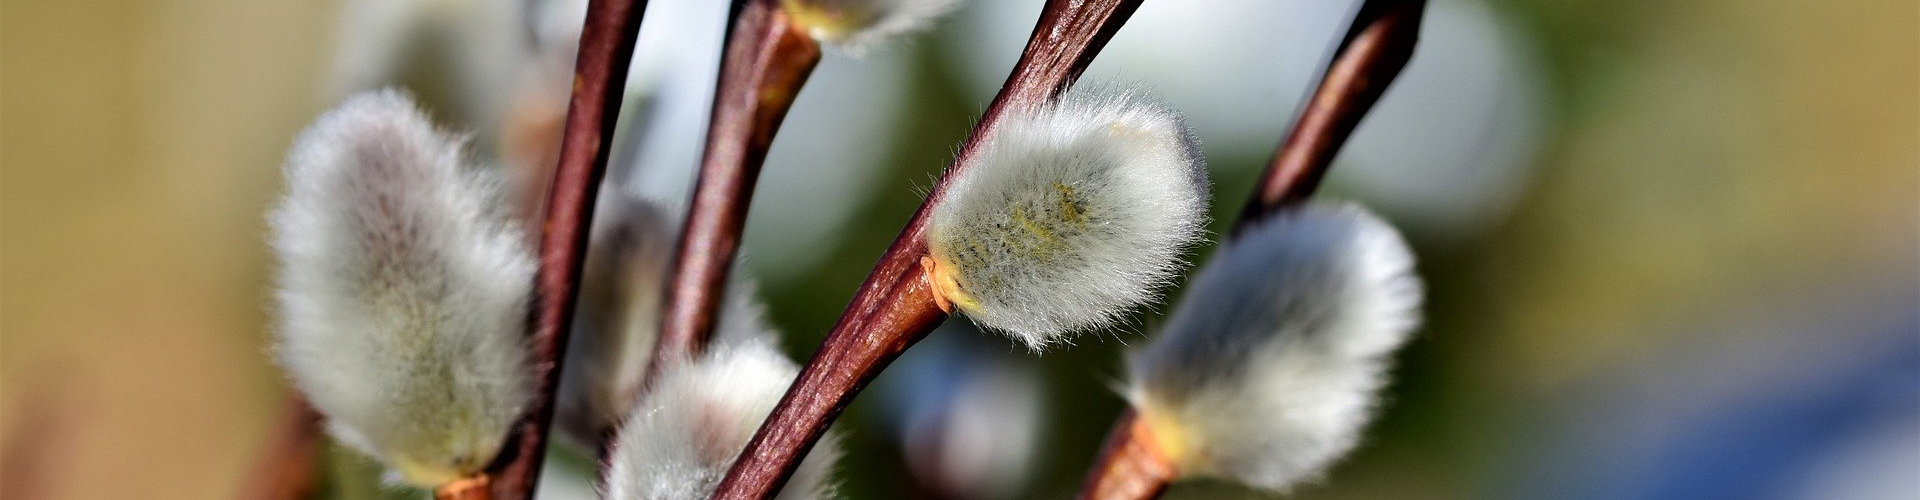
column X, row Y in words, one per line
column 767, row 60
column 894, row 308
column 600, row 76
column 1129, row 466
column 286, row 469
column 1377, row 46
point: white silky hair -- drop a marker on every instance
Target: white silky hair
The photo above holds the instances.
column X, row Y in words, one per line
column 686, row 432
column 1070, row 214
column 1271, row 365
column 858, row 25
column 403, row 290
column 617, row 320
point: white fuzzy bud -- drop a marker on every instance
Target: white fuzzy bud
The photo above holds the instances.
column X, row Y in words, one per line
column 403, row 290
column 856, row 25
column 1069, row 215
column 618, row 318
column 1271, row 365
column 686, row 432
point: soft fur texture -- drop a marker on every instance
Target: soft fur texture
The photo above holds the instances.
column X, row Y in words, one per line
column 1271, row 365
column 403, row 291
column 857, row 25
column 618, row 316
column 686, row 432
column 1069, row 215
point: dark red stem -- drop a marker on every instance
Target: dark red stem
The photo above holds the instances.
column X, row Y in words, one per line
column 767, row 60
column 599, row 79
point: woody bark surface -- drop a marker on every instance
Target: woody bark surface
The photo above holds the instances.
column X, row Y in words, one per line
column 600, row 76
column 1377, row 46
column 766, row 62
column 895, row 306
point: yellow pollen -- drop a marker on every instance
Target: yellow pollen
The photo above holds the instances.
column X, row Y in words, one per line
column 1173, row 440
column 825, row 23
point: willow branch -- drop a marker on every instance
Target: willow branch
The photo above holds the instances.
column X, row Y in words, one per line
column 600, row 76
column 1376, row 47
column 894, row 308
column 767, row 60
column 1129, row 466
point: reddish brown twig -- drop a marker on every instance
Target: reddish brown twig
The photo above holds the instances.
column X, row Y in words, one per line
column 286, row 467
column 599, row 78
column 767, row 60
column 1130, row 465
column 894, row 307
column 1377, row 46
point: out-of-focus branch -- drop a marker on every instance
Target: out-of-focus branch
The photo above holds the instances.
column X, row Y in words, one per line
column 895, row 306
column 1129, row 466
column 286, row 468
column 767, row 60
column 1376, row 47
column 600, row 76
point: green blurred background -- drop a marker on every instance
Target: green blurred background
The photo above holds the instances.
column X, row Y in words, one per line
column 1712, row 188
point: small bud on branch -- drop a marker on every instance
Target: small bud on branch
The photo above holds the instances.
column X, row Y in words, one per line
column 1072, row 213
column 681, row 437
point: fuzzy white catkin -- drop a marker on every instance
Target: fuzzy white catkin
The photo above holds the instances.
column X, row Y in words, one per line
column 857, row 25
column 686, row 432
column 403, row 290
column 1068, row 215
column 618, row 317
column 1271, row 365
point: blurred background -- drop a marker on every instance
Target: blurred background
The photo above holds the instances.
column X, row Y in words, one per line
column 1673, row 247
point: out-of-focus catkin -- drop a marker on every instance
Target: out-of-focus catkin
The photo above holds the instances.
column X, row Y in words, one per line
column 1271, row 366
column 403, row 290
column 678, row 442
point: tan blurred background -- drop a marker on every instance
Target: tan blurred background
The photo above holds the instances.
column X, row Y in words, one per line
column 140, row 144
column 1707, row 160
